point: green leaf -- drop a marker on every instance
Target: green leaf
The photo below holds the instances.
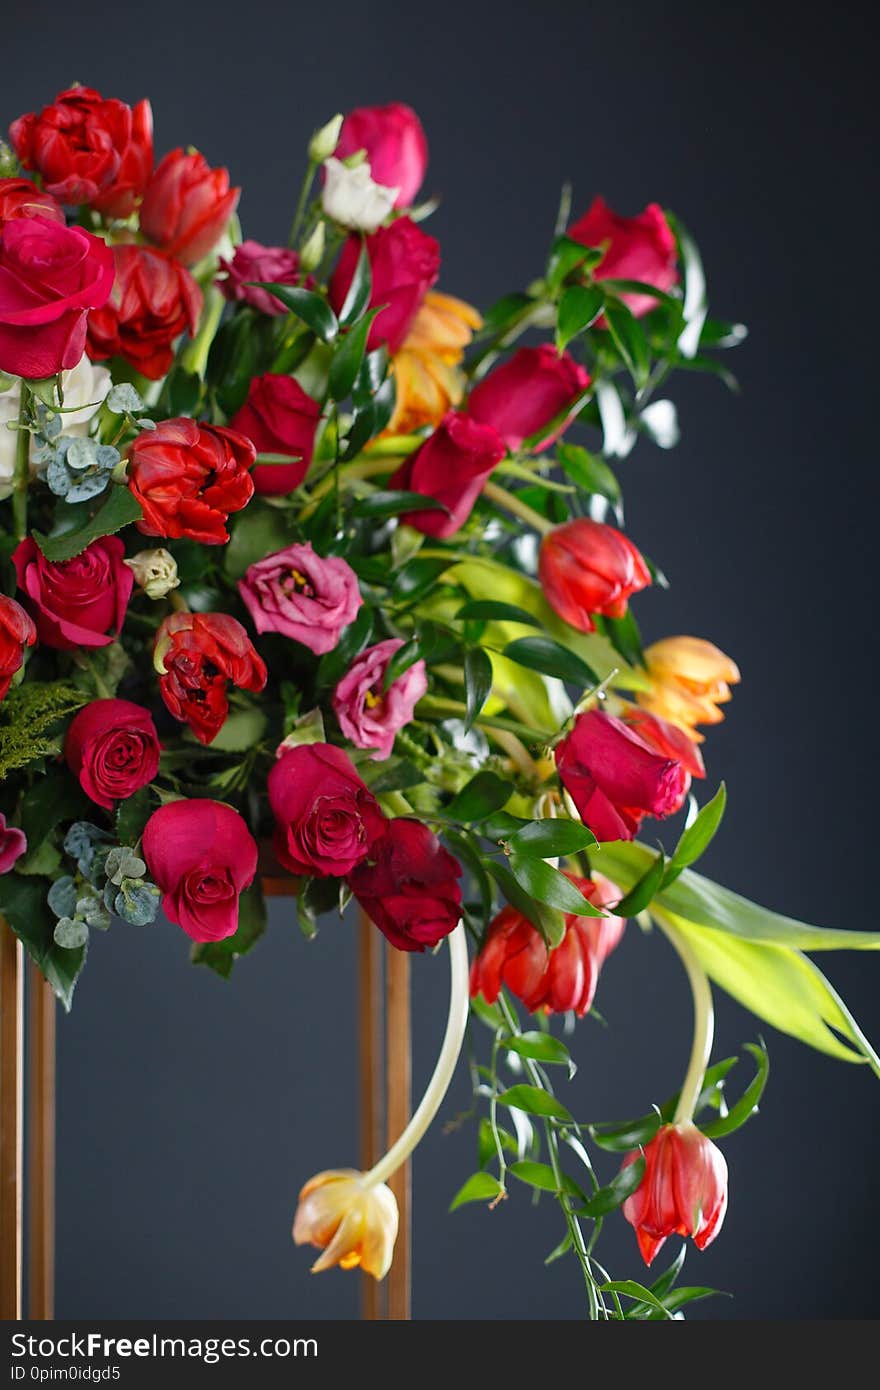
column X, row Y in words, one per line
column 666, row 1280
column 54, row 797
column 540, row 1047
column 579, row 307
column 259, row 531
column 483, row 794
column 480, row 1187
column 612, row 1196
column 308, row 306
column 551, row 659
column 348, row 358
column 120, row 509
column 534, row 1101
column 618, row 287
column 222, row 955
column 503, row 312
column 419, row 575
column 394, row 503
column 631, row 1289
column 567, row 255
column 589, row 472
column 539, row 1175
column 540, row 880
column 132, row 815
column 358, row 295
column 698, row 836
column 352, row 642
column 644, row 890
column 405, row 657
column 629, row 337
column 477, row 682
column 549, row 921
column 488, row 610
column 23, row 904
column 243, row 729
column 747, row 1105
column 547, row 839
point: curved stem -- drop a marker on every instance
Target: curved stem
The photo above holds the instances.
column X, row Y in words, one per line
column 194, row 357
column 301, row 202
column 365, row 468
column 21, row 474
column 511, row 503
column 446, row 1064
column 704, row 1020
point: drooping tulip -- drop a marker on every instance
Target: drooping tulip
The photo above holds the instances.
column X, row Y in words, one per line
column 351, row 1221
column 683, row 1191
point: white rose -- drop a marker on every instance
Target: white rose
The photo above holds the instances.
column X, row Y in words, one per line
column 155, row 571
column 352, row 199
column 84, row 386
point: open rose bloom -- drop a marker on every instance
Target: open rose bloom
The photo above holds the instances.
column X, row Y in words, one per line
column 317, row 580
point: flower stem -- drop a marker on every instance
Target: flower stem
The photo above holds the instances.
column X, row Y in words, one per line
column 21, row 474
column 511, row 503
column 446, row 1064
column 704, row 1020
column 301, row 204
column 365, row 468
column 194, row 357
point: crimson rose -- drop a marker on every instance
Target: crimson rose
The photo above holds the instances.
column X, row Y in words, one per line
column 279, row 418
column 79, row 602
column 409, row 886
column 17, row 631
column 202, row 855
column 526, row 392
column 188, row 478
column 113, row 749
column 252, row 261
column 636, row 248
column 326, row 819
column 196, row 654
column 451, row 466
column 396, row 146
column 404, row 263
column 154, row 300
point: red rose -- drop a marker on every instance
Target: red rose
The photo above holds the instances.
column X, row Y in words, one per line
column 665, row 738
column 637, row 248
column 188, row 478
column 113, row 749
column 13, row 844
column 154, row 300
column 586, row 567
column 50, row 277
column 683, row 1191
column 21, row 198
column 515, row 954
column 88, row 149
column 396, row 147
column 614, row 778
column 17, row 631
column 253, row 261
column 187, row 205
column 405, row 263
column 451, row 466
column 526, row 392
column 196, row 654
column 325, row 818
column 202, row 855
column 79, row 602
column 409, row 886
column 279, row 418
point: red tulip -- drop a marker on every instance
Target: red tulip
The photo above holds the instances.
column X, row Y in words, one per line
column 514, row 954
column 683, row 1191
column 153, row 301
column 196, row 655
column 586, row 567
column 187, row 205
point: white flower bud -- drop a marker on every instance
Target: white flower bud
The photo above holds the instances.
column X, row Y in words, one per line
column 325, row 140
column 352, row 199
column 312, row 253
column 155, row 572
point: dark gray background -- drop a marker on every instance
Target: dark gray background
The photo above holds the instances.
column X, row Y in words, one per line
column 190, row 1110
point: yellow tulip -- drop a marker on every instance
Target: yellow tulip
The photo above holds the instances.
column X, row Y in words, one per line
column 352, row 1221
column 426, row 368
column 689, row 679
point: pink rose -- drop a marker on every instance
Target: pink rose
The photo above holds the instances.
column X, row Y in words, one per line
column 523, row 394
column 50, row 277
column 112, row 748
column 13, row 844
column 79, row 602
column 451, row 466
column 202, row 856
column 253, row 261
column 368, row 714
column 299, row 594
column 326, row 819
column 637, row 248
column 396, row 147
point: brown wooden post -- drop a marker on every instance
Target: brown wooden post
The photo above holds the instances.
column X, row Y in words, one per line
column 370, row 1078
column 11, row 1089
column 398, row 1071
column 41, row 1146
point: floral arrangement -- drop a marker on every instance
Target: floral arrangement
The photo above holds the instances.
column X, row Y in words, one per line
column 302, row 566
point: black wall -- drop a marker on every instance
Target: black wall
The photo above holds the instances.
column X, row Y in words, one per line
column 191, row 1110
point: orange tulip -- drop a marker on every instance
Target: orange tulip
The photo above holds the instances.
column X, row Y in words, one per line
column 351, row 1222
column 426, row 370
column 690, row 678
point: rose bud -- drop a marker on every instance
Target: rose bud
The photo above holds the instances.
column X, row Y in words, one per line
column 187, row 206
column 188, row 478
column 690, row 678
column 587, row 567
column 253, row 261
column 50, row 277
column 13, row 844
column 515, row 955
column 324, row 140
column 369, row 714
column 79, row 602
column 17, row 631
column 154, row 300
column 352, row 199
column 683, row 1191
column 404, row 263
column 202, row 856
column 21, row 198
column 427, row 379
column 326, row 819
column 88, row 149
column 279, row 418
column 527, row 392
column 196, row 655
column 395, row 144
column 451, row 466
column 155, row 572
column 409, row 886
column 636, row 248
column 112, row 748
column 352, row 1222
column 614, row 778
column 302, row 596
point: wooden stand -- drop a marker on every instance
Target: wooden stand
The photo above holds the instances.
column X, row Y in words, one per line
column 385, row 1096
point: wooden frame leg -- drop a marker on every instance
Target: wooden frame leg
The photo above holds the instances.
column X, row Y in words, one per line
column 370, row 1078
column 398, row 1070
column 11, row 1104
column 41, row 1147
